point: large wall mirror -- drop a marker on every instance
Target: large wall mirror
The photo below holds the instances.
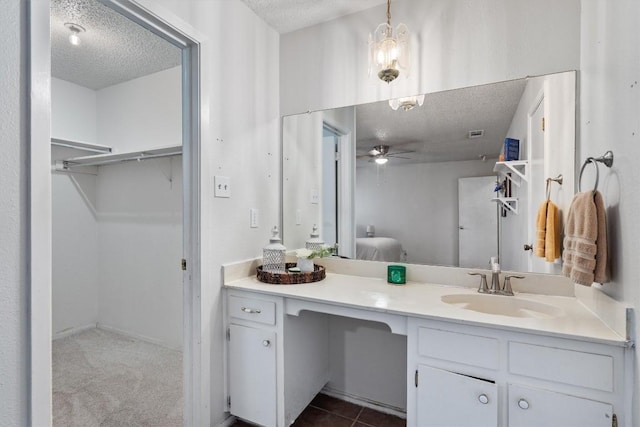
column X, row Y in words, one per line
column 414, row 180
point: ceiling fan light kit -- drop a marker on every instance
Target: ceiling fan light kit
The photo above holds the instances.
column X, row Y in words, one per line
column 407, row 103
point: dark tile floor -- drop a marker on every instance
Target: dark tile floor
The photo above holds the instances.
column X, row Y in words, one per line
column 327, row 411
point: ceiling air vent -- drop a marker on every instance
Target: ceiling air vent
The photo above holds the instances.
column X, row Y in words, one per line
column 475, row 133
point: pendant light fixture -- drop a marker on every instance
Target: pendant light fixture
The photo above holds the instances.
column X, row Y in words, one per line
column 406, row 103
column 389, row 50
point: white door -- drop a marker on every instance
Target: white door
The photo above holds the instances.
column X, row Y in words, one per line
column 449, row 399
column 252, row 374
column 530, row 407
column 477, row 222
column 536, row 184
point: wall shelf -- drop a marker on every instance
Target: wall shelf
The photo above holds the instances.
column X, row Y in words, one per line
column 79, row 145
column 510, row 203
column 517, row 167
column 106, row 159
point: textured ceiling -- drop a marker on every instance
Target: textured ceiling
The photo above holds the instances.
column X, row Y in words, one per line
column 289, row 15
column 438, row 131
column 113, row 49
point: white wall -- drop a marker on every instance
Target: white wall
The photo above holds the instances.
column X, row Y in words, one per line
column 139, row 231
column 457, row 43
column 137, row 107
column 73, row 116
column 75, row 233
column 240, row 106
column 14, row 223
column 610, row 120
column 424, row 219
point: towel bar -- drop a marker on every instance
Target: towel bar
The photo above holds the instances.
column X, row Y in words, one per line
column 607, row 159
column 557, row 179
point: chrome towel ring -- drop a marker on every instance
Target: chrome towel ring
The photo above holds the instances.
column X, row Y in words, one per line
column 607, row 159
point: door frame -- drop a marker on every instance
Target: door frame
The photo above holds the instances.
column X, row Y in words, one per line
column 166, row 25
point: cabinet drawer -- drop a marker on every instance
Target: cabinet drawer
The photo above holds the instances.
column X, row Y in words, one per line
column 572, row 367
column 252, row 309
column 471, row 350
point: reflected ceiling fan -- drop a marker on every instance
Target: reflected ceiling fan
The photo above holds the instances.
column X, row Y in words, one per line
column 380, row 154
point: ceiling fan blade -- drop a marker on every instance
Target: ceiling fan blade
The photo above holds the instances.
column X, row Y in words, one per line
column 398, row 157
column 402, row 152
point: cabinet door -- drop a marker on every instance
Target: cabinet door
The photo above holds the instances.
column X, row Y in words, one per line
column 252, row 374
column 530, row 407
column 449, row 399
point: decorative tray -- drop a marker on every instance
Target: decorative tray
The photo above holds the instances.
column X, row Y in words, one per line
column 318, row 274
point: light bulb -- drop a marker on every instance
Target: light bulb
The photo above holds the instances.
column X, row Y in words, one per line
column 74, row 39
column 381, row 160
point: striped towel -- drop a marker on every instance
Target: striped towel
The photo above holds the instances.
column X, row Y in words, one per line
column 585, row 242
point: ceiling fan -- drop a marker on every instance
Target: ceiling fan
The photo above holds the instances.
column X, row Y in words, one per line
column 380, row 154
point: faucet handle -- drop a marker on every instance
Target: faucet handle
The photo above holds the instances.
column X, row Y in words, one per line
column 506, row 289
column 483, row 289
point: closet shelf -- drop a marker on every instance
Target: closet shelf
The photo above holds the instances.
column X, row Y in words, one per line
column 517, row 167
column 79, row 145
column 510, row 203
column 106, row 159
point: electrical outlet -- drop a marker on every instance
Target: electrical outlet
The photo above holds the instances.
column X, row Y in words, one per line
column 253, row 218
column 222, row 186
column 298, row 217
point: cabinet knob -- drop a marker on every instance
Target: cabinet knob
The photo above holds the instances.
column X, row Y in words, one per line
column 266, row 343
column 523, row 404
column 483, row 398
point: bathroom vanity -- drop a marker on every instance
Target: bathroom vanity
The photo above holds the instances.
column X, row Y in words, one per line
column 559, row 358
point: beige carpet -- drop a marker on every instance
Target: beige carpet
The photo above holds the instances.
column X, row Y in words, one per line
column 101, row 378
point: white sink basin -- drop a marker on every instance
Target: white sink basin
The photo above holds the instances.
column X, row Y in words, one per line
column 502, row 305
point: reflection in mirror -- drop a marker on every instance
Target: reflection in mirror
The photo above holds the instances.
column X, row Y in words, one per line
column 425, row 177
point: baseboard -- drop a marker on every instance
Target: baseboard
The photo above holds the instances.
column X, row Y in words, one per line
column 72, row 331
column 228, row 422
column 136, row 336
column 367, row 403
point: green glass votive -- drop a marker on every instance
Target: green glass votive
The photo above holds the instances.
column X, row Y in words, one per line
column 397, row 274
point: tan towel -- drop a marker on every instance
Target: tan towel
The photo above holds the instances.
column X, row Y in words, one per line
column 585, row 243
column 547, row 232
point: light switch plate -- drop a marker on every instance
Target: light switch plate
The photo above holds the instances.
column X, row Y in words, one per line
column 253, row 218
column 222, row 186
column 298, row 217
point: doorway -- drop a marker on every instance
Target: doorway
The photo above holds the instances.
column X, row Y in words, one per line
column 170, row 30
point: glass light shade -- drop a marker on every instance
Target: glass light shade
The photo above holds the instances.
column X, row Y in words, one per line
column 407, row 103
column 74, row 39
column 381, row 160
column 389, row 52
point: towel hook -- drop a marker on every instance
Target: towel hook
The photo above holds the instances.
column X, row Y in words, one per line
column 607, row 159
column 557, row 179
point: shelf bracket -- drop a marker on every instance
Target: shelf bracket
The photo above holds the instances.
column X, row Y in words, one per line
column 509, row 203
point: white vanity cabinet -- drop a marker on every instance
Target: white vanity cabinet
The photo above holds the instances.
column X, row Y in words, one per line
column 473, row 376
column 276, row 363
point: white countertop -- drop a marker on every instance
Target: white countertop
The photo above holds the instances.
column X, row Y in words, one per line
column 414, row 299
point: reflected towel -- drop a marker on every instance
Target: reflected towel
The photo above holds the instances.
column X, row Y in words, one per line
column 585, row 243
column 547, row 232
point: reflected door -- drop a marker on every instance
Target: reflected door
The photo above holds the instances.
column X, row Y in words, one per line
column 329, row 227
column 477, row 222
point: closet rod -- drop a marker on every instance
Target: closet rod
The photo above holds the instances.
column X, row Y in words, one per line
column 86, row 146
column 121, row 157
